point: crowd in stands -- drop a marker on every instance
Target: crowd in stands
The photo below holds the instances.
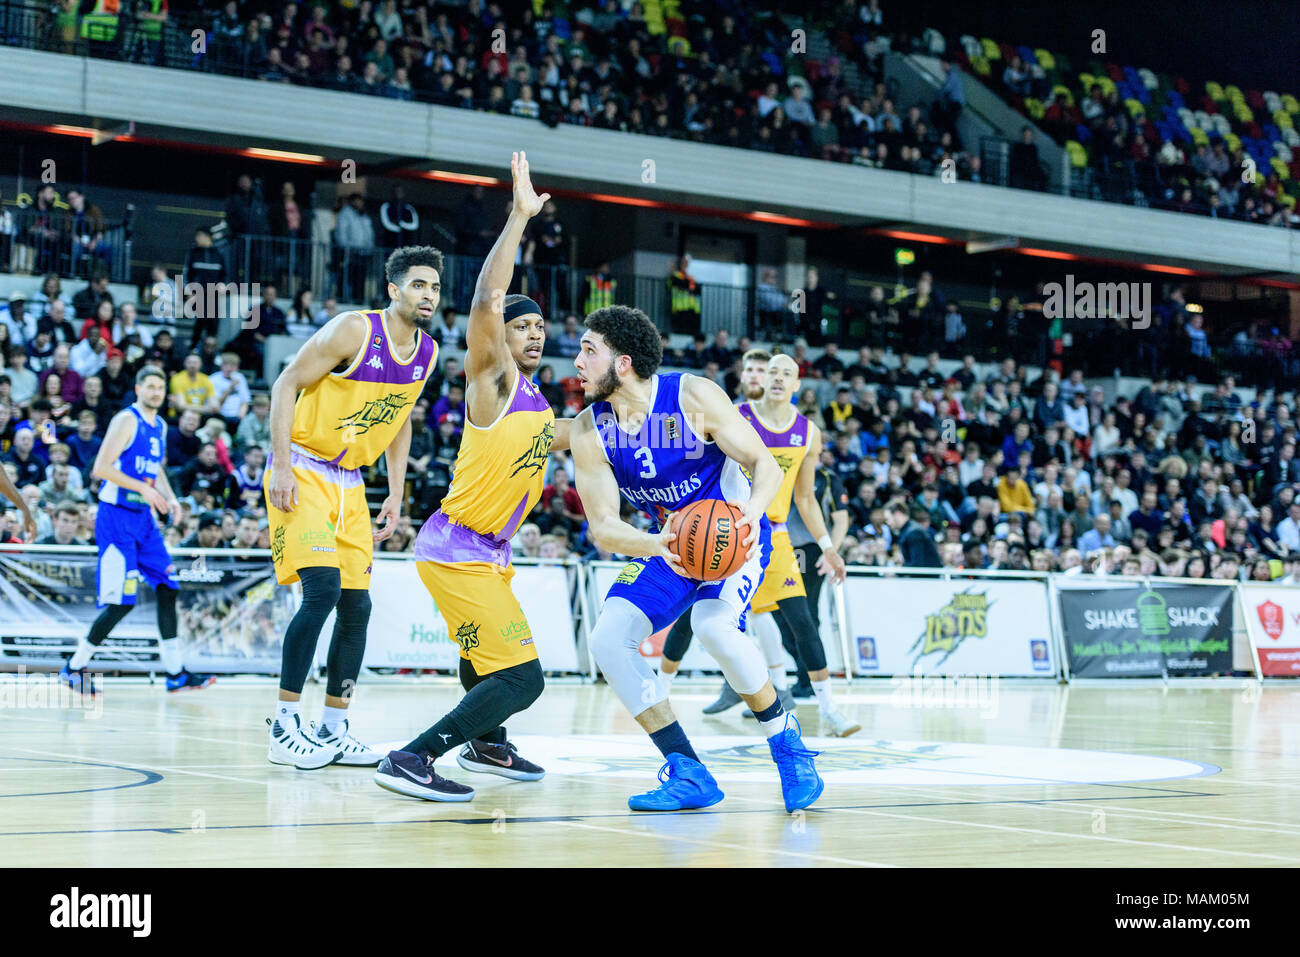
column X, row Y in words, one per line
column 995, row 468
column 727, row 74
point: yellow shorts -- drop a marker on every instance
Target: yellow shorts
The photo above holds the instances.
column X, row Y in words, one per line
column 482, row 613
column 329, row 527
column 782, row 579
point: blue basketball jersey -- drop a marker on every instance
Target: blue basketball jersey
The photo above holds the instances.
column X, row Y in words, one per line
column 665, row 465
column 141, row 460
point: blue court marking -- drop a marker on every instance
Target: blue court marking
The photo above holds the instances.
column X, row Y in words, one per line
column 147, row 777
column 626, row 816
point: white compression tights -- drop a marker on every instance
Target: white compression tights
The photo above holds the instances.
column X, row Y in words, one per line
column 769, row 638
column 621, row 628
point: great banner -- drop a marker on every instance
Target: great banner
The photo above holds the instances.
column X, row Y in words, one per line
column 1134, row 631
column 230, row 613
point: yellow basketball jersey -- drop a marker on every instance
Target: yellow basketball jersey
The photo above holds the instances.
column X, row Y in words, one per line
column 349, row 418
column 500, row 468
column 788, row 448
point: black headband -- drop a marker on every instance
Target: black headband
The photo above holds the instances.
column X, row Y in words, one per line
column 522, row 307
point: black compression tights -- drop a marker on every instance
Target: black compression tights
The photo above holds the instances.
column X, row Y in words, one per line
column 321, row 594
column 489, row 700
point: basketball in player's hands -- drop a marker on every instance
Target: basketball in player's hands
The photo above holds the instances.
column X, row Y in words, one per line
column 709, row 540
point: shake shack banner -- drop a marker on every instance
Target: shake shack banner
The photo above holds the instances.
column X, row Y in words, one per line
column 1135, row 632
column 230, row 614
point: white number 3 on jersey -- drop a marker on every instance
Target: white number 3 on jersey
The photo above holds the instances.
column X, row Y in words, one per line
column 154, row 450
column 647, row 463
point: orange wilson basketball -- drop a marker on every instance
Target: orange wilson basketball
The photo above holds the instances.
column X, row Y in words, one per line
column 709, row 536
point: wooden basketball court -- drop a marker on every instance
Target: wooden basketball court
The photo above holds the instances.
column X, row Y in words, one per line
column 999, row 773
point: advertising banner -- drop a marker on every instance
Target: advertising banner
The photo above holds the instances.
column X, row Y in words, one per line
column 1273, row 619
column 230, row 614
column 1133, row 631
column 408, row 631
column 928, row 626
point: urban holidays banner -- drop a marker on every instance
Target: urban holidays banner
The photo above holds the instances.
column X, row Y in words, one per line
column 230, row 614
column 1137, row 631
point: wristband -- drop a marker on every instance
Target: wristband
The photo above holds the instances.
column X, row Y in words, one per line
column 825, row 542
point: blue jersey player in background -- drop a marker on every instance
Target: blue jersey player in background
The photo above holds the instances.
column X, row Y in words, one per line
column 665, row 441
column 131, row 548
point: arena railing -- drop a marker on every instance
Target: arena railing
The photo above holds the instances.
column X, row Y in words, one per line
column 43, row 242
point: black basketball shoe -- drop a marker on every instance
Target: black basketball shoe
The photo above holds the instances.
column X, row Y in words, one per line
column 502, row 759
column 409, row 774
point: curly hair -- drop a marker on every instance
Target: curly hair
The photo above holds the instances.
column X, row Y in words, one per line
column 629, row 332
column 402, row 260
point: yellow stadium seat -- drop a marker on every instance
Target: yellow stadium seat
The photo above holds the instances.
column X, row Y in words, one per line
column 1233, row 92
column 1283, row 119
column 1107, row 85
column 1199, row 136
column 1045, row 59
column 1135, row 108
column 679, row 46
column 1215, row 91
column 1280, row 168
column 1233, row 141
column 1086, row 82
column 1034, row 108
column 981, row 65
column 1063, row 91
column 1078, row 155
column 991, row 51
column 1290, row 103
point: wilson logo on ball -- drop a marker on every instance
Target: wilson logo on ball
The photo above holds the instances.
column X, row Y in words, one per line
column 721, row 542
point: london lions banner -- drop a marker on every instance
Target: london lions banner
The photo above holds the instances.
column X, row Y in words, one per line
column 963, row 626
column 230, row 615
column 1273, row 619
column 1134, row 630
column 407, row 630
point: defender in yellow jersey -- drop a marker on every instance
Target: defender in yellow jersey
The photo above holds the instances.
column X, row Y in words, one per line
column 463, row 550
column 344, row 400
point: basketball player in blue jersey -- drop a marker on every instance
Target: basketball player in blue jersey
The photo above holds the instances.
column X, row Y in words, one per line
column 666, row 441
column 131, row 548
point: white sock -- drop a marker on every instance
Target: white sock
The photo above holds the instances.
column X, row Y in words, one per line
column 331, row 718
column 81, row 657
column 822, row 689
column 666, row 679
column 285, row 712
column 169, row 650
column 777, row 674
column 773, row 726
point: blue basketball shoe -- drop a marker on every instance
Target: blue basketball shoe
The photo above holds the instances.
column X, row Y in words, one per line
column 686, row 784
column 800, row 782
column 78, row 681
column 188, row 681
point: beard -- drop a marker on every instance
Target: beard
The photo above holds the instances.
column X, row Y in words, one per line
column 604, row 387
column 151, row 406
column 754, row 391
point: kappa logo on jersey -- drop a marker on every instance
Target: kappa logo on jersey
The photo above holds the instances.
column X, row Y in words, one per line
column 534, row 457
column 375, row 362
column 467, row 635
column 375, row 412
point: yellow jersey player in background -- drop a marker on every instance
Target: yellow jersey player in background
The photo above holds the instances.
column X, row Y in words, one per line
column 344, row 399
column 463, row 550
